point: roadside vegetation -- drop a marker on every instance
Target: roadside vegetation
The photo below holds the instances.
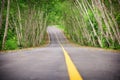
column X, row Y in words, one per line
column 93, row 22
column 23, row 23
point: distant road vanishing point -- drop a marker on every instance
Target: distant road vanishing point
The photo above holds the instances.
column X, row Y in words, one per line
column 60, row 61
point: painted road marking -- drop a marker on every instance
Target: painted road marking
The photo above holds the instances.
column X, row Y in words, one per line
column 72, row 70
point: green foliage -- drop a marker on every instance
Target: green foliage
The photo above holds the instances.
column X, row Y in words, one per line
column 55, row 12
column 118, row 18
column 62, row 27
column 104, row 43
column 67, row 15
column 11, row 44
column 94, row 25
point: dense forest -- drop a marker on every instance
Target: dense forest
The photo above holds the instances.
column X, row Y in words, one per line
column 23, row 23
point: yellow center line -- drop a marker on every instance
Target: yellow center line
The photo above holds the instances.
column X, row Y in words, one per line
column 72, row 70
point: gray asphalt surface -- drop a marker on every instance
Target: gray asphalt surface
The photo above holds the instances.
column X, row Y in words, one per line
column 48, row 63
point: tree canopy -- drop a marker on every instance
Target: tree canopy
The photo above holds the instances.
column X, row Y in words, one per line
column 23, row 23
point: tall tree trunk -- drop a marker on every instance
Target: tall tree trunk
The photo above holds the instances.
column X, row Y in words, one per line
column 2, row 8
column 6, row 25
column 20, row 25
column 119, row 2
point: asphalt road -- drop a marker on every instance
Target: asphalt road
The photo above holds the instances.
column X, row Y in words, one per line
column 48, row 63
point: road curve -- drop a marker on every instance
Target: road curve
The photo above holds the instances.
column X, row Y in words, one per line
column 48, row 63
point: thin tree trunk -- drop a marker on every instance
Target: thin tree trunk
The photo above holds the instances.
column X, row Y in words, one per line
column 16, row 29
column 20, row 25
column 92, row 25
column 119, row 2
column 6, row 25
column 2, row 8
